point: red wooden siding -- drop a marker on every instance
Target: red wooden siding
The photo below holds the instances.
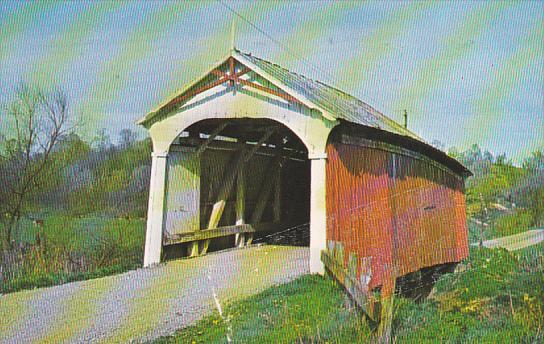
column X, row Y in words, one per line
column 393, row 211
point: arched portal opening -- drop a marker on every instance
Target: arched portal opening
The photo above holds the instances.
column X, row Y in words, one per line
column 234, row 182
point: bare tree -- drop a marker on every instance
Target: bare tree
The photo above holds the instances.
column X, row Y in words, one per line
column 33, row 124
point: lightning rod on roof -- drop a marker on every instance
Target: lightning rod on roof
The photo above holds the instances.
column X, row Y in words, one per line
column 405, row 119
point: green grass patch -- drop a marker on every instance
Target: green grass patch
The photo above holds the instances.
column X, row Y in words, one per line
column 309, row 309
column 511, row 224
column 71, row 249
column 501, row 225
column 533, row 252
column 498, row 297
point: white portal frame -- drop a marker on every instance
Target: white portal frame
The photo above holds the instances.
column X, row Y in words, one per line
column 311, row 124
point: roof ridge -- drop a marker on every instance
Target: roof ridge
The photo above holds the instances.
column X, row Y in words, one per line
column 280, row 66
column 364, row 105
column 334, row 102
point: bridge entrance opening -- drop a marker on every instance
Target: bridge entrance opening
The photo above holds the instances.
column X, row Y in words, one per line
column 235, row 182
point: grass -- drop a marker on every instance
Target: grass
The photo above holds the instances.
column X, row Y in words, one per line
column 497, row 298
column 501, row 225
column 532, row 253
column 72, row 249
column 307, row 309
column 510, row 224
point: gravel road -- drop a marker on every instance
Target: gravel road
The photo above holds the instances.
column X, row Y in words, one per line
column 147, row 303
column 517, row 241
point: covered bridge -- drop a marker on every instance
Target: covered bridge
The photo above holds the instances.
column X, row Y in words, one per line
column 252, row 148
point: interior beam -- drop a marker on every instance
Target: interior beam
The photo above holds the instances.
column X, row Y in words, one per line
column 224, row 231
column 268, row 182
column 210, row 139
column 240, row 206
column 234, row 166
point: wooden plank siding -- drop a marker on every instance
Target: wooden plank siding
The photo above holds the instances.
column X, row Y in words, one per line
column 396, row 211
column 182, row 212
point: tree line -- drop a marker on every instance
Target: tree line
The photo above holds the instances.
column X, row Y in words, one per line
column 46, row 167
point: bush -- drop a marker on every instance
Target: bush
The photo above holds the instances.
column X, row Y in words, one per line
column 519, row 221
column 72, row 249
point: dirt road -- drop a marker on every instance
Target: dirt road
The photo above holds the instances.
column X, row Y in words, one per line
column 517, row 241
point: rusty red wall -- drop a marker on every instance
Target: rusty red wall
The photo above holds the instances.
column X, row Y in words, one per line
column 397, row 207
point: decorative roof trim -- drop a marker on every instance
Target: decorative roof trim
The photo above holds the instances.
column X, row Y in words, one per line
column 242, row 60
column 183, row 90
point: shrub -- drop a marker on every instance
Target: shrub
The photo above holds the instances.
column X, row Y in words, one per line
column 509, row 224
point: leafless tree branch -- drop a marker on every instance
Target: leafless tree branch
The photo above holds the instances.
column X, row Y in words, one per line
column 39, row 121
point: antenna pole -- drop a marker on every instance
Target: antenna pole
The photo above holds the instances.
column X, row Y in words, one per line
column 405, row 119
column 233, row 34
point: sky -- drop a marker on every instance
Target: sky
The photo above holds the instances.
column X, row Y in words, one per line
column 465, row 71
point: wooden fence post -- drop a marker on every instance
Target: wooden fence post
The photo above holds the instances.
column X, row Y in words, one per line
column 387, row 306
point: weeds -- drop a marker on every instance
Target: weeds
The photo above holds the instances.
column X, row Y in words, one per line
column 494, row 299
column 70, row 249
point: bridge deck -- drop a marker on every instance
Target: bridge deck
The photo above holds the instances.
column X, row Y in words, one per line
column 145, row 303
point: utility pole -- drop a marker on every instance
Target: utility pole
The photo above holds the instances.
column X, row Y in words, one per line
column 405, row 119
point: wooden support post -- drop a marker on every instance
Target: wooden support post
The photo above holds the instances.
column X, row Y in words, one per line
column 155, row 213
column 318, row 212
column 231, row 72
column 240, row 206
column 224, row 191
column 277, row 197
column 264, row 194
column 192, row 250
column 231, row 172
column 249, row 239
column 277, row 189
column 203, row 247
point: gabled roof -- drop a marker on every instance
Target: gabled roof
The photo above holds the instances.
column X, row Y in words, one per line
column 333, row 103
column 338, row 103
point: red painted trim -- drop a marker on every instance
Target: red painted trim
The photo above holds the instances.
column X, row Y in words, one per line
column 232, row 78
column 193, row 93
column 231, row 72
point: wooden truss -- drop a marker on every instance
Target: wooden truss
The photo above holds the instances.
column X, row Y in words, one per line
column 234, row 181
column 233, row 78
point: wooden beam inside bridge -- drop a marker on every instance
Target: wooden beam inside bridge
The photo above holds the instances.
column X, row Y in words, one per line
column 224, row 231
